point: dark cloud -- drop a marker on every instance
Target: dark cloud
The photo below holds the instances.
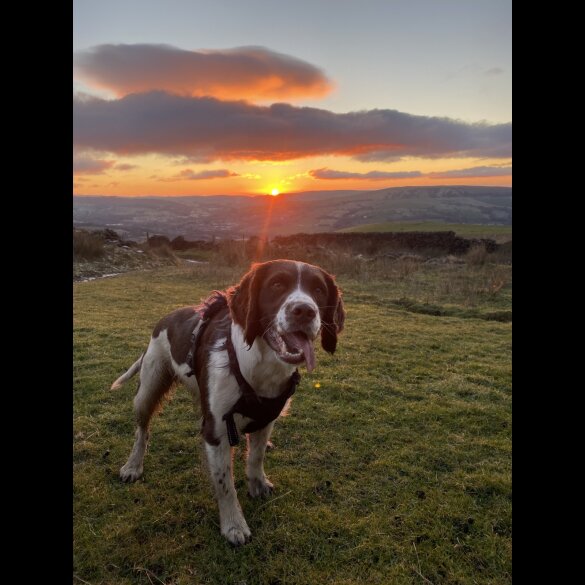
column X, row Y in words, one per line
column 125, row 167
column 210, row 129
column 492, row 171
column 240, row 73
column 495, row 171
column 372, row 175
column 493, row 71
column 86, row 165
column 189, row 175
column 377, row 156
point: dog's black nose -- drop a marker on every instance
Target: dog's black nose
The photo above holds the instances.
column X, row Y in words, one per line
column 302, row 312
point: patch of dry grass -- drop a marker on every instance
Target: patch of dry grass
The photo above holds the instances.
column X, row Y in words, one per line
column 87, row 246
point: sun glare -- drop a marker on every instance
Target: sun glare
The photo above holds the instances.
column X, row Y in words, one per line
column 274, row 192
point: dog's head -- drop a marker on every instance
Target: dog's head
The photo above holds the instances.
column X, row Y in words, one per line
column 289, row 303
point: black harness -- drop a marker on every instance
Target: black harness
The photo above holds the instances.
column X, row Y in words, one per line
column 261, row 410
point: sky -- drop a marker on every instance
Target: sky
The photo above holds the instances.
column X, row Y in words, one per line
column 188, row 97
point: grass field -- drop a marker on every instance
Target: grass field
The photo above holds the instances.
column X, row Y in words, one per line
column 395, row 470
column 498, row 232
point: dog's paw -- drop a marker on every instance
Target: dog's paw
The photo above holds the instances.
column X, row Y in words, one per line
column 237, row 533
column 260, row 487
column 130, row 473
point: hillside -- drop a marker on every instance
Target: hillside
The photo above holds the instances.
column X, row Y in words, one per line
column 313, row 211
column 395, row 459
column 498, row 232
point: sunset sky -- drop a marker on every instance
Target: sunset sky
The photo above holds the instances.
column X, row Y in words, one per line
column 188, row 97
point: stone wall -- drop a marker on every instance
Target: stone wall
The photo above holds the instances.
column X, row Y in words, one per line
column 370, row 243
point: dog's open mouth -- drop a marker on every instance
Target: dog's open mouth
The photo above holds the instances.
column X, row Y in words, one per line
column 292, row 348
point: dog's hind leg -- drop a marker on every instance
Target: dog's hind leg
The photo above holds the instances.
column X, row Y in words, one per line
column 155, row 381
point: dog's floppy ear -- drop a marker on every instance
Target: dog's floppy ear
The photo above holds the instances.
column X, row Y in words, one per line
column 243, row 303
column 333, row 317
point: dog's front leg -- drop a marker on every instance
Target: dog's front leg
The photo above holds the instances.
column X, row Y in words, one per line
column 232, row 521
column 258, row 484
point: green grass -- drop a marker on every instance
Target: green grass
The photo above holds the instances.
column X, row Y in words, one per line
column 461, row 229
column 397, row 470
column 195, row 254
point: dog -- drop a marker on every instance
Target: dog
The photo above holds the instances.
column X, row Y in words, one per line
column 238, row 353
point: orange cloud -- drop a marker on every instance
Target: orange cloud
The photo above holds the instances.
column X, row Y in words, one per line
column 250, row 73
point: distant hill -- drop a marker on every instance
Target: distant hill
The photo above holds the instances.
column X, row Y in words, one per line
column 313, row 211
column 472, row 230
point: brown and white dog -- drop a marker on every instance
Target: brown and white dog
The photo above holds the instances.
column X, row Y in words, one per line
column 272, row 317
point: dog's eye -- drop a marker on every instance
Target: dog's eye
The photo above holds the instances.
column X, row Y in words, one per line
column 318, row 290
column 277, row 285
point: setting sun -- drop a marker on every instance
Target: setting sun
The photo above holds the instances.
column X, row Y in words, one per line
column 274, row 192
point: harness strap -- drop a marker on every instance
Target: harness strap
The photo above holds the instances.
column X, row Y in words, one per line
column 194, row 339
column 232, row 429
column 208, row 309
column 261, row 410
column 235, row 369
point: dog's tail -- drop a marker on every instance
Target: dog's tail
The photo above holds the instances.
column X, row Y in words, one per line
column 126, row 376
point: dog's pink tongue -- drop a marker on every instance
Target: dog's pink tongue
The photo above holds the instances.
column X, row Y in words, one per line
column 308, row 351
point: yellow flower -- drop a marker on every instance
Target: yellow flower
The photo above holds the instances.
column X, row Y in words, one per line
column 317, row 385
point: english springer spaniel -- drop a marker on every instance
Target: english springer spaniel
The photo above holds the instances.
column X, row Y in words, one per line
column 238, row 354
